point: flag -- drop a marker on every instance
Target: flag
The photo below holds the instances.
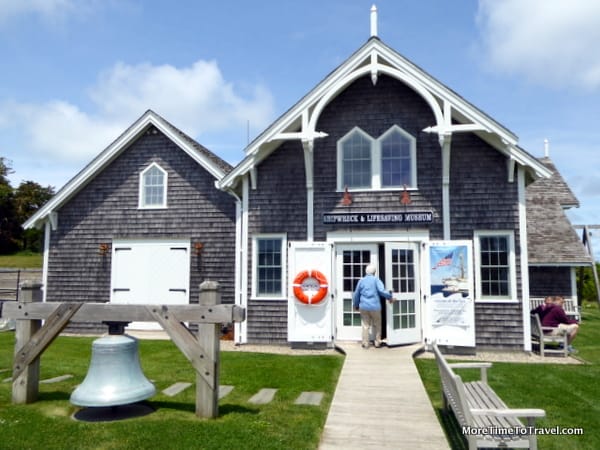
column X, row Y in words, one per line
column 445, row 261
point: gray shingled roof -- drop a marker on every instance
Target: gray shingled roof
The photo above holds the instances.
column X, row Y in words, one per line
column 222, row 164
column 211, row 162
column 551, row 238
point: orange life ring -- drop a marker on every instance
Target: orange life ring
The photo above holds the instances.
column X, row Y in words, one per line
column 299, row 287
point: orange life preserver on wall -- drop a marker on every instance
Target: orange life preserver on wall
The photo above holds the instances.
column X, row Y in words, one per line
column 321, row 289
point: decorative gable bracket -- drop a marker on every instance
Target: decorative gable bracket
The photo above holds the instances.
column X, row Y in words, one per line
column 53, row 218
column 511, row 163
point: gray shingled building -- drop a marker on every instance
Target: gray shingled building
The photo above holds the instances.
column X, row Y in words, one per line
column 379, row 163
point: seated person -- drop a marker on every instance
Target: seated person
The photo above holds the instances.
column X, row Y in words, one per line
column 542, row 309
column 555, row 317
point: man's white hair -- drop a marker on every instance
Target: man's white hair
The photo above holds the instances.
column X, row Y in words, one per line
column 371, row 269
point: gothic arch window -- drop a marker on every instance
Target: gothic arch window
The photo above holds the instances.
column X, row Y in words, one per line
column 355, row 165
column 153, row 187
column 398, row 160
column 365, row 163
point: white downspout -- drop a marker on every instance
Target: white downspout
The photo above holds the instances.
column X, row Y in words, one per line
column 308, row 146
column 46, row 256
column 524, row 258
column 241, row 258
column 445, row 143
column 445, row 137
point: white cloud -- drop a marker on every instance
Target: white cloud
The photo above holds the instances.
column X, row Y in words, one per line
column 552, row 42
column 60, row 130
column 197, row 99
column 48, row 9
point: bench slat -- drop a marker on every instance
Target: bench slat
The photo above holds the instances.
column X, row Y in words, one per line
column 481, row 396
column 476, row 405
column 540, row 337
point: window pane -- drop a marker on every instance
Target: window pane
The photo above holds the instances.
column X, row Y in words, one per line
column 396, row 164
column 269, row 267
column 356, row 161
column 153, row 187
column 495, row 271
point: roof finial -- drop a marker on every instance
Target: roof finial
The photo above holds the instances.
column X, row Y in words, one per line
column 373, row 21
column 546, row 148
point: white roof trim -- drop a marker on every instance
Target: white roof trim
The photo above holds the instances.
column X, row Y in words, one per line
column 375, row 57
column 111, row 153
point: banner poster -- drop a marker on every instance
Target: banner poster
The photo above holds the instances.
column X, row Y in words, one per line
column 451, row 309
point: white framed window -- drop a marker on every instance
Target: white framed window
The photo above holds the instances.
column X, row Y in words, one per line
column 398, row 158
column 365, row 163
column 153, row 187
column 355, row 156
column 268, row 266
column 495, row 266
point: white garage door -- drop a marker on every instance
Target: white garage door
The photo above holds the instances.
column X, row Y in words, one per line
column 150, row 272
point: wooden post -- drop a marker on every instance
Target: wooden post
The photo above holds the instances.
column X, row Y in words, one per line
column 202, row 350
column 588, row 243
column 207, row 396
column 26, row 385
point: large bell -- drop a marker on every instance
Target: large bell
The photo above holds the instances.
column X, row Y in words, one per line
column 115, row 376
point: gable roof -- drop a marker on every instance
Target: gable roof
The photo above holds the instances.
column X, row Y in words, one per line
column 204, row 157
column 452, row 113
column 551, row 238
column 554, row 189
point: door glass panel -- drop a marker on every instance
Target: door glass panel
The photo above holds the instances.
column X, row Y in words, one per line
column 355, row 263
column 403, row 282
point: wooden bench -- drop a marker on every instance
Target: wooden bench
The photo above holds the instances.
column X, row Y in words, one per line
column 485, row 419
column 541, row 336
column 570, row 306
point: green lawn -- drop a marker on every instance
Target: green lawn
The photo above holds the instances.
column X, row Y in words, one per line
column 570, row 394
column 47, row 423
column 23, row 260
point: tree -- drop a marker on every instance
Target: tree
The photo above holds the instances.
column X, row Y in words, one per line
column 9, row 227
column 28, row 198
column 586, row 285
column 16, row 206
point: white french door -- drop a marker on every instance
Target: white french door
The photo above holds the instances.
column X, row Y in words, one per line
column 350, row 262
column 402, row 276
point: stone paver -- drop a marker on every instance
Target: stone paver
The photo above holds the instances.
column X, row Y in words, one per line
column 176, row 388
column 309, row 398
column 57, row 379
column 263, row 396
column 224, row 389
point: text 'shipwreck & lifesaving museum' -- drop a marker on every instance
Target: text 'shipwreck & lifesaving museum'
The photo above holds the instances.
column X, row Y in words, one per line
column 379, row 163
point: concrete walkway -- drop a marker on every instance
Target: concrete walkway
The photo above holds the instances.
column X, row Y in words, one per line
column 380, row 402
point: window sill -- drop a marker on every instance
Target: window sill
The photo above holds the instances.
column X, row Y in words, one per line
column 498, row 300
column 387, row 189
column 270, row 299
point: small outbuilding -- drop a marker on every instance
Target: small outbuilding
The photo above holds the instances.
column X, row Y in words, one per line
column 142, row 223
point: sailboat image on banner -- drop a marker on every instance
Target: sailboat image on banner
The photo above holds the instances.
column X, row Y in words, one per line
column 451, row 308
column 452, row 273
column 458, row 283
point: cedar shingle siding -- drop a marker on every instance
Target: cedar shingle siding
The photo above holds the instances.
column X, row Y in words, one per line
column 375, row 109
column 278, row 205
column 107, row 209
column 481, row 198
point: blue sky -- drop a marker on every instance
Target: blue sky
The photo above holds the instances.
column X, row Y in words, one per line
column 76, row 73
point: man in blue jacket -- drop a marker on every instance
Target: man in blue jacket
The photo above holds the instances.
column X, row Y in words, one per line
column 366, row 300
